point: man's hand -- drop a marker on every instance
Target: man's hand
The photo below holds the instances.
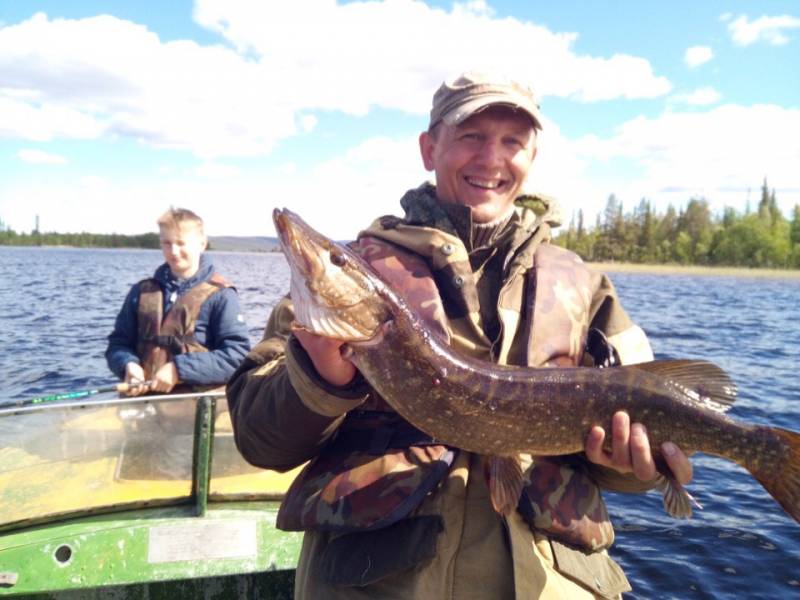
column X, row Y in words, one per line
column 327, row 358
column 134, row 374
column 165, row 378
column 630, row 451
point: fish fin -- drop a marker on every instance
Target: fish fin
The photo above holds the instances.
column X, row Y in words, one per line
column 783, row 481
column 677, row 501
column 504, row 476
column 709, row 384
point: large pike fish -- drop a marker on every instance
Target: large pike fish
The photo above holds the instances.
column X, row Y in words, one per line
column 502, row 411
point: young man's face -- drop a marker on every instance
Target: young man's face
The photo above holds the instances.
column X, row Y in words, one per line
column 182, row 247
column 482, row 162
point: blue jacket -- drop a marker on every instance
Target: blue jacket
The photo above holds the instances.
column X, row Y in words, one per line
column 220, row 327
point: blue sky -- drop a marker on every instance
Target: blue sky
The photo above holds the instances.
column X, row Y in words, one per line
column 112, row 111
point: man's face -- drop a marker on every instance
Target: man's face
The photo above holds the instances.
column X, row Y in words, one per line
column 482, row 162
column 182, row 247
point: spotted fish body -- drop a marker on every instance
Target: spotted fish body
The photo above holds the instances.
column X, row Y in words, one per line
column 502, row 411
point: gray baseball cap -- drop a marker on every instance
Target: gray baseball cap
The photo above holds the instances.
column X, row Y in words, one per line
column 469, row 93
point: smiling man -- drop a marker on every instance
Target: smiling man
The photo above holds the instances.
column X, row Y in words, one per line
column 183, row 325
column 389, row 512
column 483, row 161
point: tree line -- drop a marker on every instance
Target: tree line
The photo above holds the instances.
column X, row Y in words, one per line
column 9, row 237
column 690, row 236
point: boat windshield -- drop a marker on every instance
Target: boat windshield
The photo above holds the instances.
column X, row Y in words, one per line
column 87, row 458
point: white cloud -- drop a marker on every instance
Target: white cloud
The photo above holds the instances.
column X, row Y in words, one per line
column 308, row 123
column 40, row 157
column 718, row 154
column 43, row 121
column 314, row 46
column 745, row 32
column 697, row 55
column 215, row 171
column 699, row 97
column 94, row 183
column 104, row 76
column 477, row 8
column 287, row 169
column 369, row 180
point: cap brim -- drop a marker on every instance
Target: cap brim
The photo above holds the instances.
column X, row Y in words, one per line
column 462, row 112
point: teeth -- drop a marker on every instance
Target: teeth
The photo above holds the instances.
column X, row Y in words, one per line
column 486, row 184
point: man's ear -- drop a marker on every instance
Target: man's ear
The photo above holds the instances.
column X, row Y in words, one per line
column 426, row 146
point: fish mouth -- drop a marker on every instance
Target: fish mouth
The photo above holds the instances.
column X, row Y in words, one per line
column 334, row 291
column 298, row 240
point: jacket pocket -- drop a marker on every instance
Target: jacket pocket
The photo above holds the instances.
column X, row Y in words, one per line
column 349, row 490
column 595, row 571
column 364, row 557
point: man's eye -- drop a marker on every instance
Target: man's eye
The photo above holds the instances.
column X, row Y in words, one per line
column 337, row 258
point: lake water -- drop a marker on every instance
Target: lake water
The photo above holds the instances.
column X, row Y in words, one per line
column 58, row 305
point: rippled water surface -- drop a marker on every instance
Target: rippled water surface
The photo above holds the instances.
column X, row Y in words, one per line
column 58, row 305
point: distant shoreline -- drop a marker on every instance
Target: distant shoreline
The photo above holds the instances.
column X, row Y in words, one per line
column 620, row 267
column 604, row 267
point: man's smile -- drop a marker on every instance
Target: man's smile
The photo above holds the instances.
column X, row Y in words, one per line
column 485, row 184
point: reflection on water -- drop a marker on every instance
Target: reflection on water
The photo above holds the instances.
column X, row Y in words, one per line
column 55, row 318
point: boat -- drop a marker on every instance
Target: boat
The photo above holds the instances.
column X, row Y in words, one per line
column 137, row 497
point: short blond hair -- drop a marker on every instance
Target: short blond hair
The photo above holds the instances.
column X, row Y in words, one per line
column 174, row 217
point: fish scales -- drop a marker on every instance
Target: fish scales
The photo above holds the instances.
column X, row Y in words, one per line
column 501, row 411
column 480, row 406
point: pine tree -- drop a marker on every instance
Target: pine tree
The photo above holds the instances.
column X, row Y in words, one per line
column 646, row 241
column 763, row 203
column 794, row 231
column 774, row 211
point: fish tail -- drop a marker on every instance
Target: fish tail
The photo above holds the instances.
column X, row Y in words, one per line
column 782, row 478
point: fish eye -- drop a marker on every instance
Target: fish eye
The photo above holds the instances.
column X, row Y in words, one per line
column 338, row 257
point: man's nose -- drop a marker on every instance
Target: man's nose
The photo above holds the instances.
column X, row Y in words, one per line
column 490, row 153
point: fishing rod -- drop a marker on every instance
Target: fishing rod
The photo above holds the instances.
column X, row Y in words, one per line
column 24, row 406
column 117, row 387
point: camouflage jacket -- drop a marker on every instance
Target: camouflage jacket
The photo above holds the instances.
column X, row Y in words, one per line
column 278, row 385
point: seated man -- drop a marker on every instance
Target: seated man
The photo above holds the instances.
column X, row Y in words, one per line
column 182, row 326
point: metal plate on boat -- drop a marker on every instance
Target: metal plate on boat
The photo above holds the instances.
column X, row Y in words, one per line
column 202, row 541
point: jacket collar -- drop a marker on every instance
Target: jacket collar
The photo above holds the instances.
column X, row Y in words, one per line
column 170, row 283
column 432, row 225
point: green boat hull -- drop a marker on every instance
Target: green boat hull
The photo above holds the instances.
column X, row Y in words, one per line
column 111, row 502
column 233, row 551
column 276, row 585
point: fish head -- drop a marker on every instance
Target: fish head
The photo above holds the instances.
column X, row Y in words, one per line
column 334, row 292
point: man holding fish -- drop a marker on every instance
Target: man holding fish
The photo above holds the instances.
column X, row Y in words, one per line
column 388, row 511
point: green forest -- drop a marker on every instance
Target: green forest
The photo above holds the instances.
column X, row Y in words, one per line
column 9, row 237
column 761, row 237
